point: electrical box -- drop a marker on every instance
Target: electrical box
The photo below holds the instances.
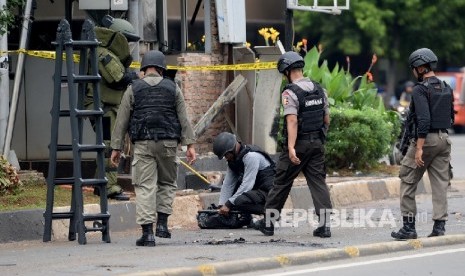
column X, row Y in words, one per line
column 231, row 20
column 114, row 5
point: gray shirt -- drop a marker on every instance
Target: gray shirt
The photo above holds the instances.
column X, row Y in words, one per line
column 253, row 162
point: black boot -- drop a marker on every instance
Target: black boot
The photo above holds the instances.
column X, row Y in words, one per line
column 438, row 228
column 147, row 238
column 407, row 232
column 162, row 226
column 260, row 225
column 323, row 230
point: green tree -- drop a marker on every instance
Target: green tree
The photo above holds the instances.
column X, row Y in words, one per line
column 390, row 28
column 7, row 14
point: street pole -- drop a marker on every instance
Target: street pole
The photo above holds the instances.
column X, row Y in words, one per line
column 289, row 30
column 18, row 77
column 4, row 85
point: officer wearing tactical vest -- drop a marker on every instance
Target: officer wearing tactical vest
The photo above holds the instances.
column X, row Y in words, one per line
column 153, row 112
column 306, row 112
column 430, row 147
column 248, row 179
column 114, row 59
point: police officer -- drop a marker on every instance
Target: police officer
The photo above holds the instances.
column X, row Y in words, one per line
column 153, row 112
column 114, row 59
column 306, row 112
column 433, row 114
column 249, row 177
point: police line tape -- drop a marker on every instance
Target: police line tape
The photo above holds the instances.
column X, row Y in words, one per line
column 136, row 65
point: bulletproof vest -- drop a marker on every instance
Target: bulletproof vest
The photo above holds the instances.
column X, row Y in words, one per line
column 237, row 166
column 440, row 101
column 311, row 108
column 154, row 115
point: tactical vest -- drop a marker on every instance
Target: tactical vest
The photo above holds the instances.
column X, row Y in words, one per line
column 439, row 100
column 154, row 114
column 311, row 109
column 237, row 166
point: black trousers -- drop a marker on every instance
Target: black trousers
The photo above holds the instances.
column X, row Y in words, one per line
column 312, row 156
column 252, row 202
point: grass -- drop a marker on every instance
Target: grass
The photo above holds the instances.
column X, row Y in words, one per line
column 34, row 196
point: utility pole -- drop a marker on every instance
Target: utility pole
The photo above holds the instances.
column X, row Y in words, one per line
column 289, row 32
column 4, row 85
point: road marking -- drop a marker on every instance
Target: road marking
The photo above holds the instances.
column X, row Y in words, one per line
column 386, row 260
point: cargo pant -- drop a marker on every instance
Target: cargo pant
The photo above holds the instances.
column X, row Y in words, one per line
column 311, row 154
column 154, row 173
column 436, row 155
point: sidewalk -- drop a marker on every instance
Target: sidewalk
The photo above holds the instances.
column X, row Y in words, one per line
column 344, row 191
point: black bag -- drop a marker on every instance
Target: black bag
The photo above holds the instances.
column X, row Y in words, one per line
column 211, row 219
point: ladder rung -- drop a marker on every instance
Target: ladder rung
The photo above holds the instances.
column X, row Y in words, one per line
column 84, row 43
column 89, row 113
column 93, row 147
column 63, row 180
column 93, row 181
column 89, row 217
column 62, row 215
column 64, row 113
column 95, row 229
column 82, row 78
column 64, row 147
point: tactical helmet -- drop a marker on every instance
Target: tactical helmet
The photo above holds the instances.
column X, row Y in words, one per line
column 224, row 142
column 290, row 60
column 421, row 57
column 122, row 26
column 153, row 58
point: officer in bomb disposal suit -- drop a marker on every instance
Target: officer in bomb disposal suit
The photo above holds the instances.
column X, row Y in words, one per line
column 306, row 112
column 154, row 114
column 114, row 59
column 430, row 147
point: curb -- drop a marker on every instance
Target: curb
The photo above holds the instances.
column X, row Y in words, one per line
column 307, row 257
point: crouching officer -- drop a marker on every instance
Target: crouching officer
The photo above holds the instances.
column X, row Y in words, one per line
column 114, row 59
column 153, row 111
column 306, row 112
column 248, row 179
column 433, row 113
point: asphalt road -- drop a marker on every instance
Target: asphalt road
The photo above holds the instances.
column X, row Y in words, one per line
column 433, row 261
column 458, row 155
column 196, row 247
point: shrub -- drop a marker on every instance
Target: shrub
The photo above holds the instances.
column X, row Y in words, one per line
column 9, row 179
column 357, row 139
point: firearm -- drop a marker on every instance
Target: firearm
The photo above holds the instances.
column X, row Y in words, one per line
column 408, row 133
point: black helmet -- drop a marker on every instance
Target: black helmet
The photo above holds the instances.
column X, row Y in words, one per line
column 421, row 57
column 290, row 60
column 153, row 58
column 122, row 26
column 409, row 84
column 224, row 142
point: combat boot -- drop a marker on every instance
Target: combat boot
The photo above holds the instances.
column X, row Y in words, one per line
column 162, row 226
column 147, row 238
column 323, row 230
column 260, row 225
column 438, row 228
column 407, row 232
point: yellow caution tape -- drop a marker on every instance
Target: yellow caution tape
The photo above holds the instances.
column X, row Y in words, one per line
column 136, row 65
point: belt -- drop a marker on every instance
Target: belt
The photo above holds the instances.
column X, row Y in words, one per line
column 309, row 136
column 437, row 130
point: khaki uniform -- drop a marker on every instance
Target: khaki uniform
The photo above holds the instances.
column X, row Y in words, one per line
column 154, row 167
column 436, row 155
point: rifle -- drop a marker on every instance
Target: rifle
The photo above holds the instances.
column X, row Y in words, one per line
column 408, row 133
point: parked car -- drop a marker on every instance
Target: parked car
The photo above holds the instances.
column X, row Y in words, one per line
column 456, row 81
